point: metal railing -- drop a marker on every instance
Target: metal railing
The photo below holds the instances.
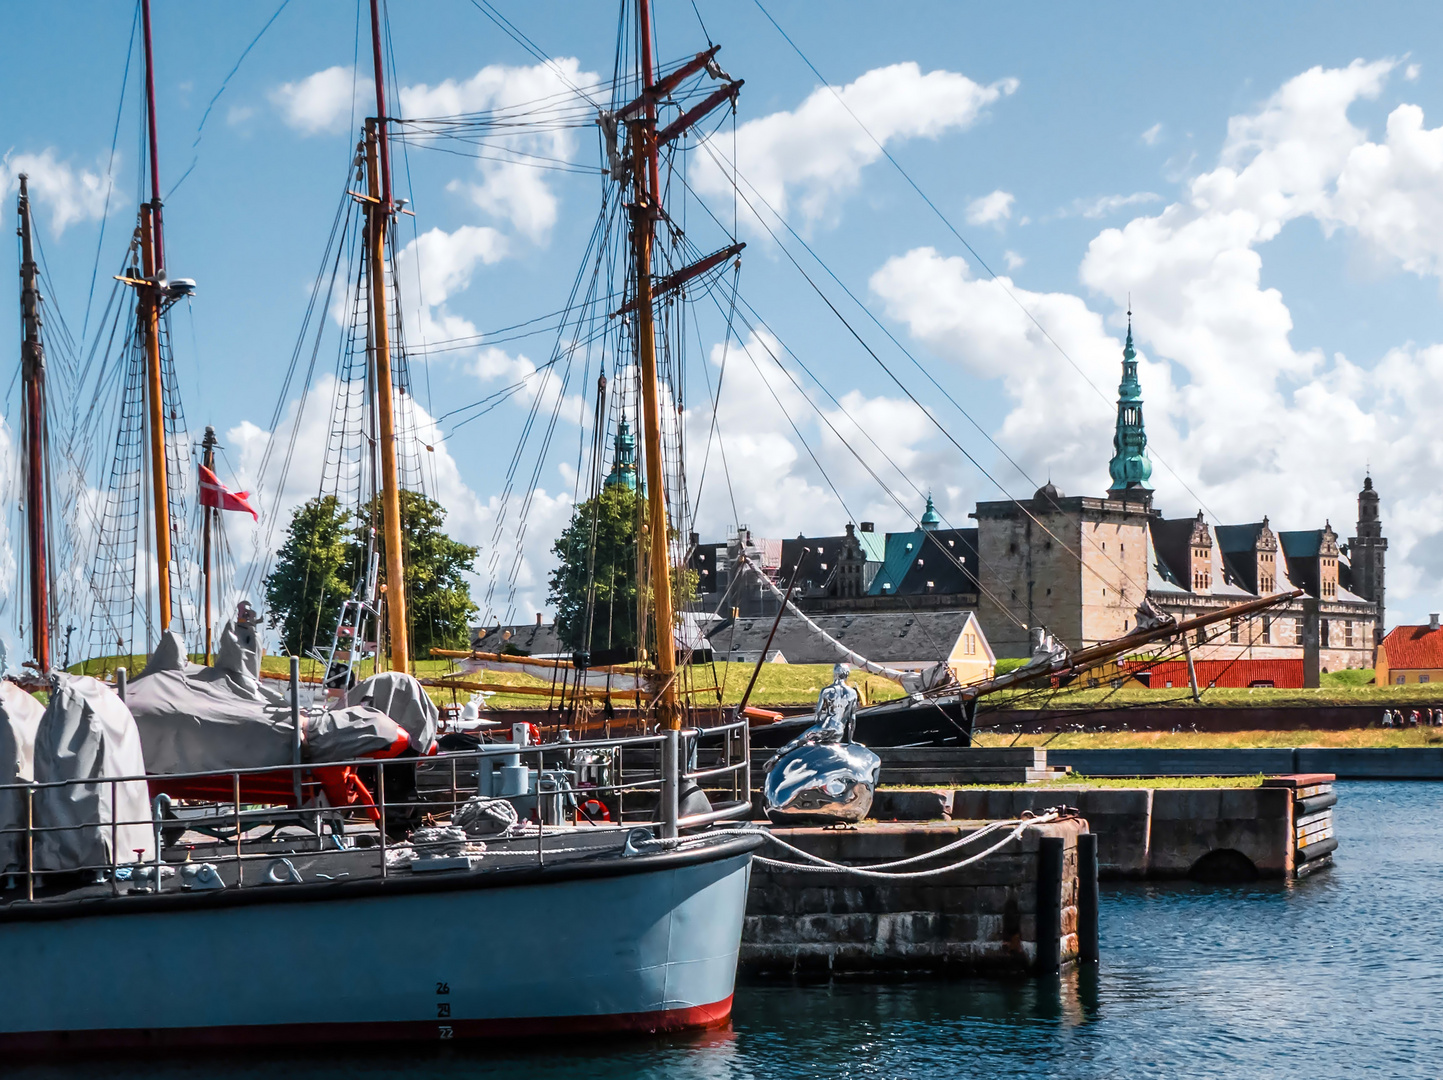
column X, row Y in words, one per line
column 632, row 781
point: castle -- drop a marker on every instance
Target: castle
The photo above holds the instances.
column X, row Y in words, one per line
column 1080, row 566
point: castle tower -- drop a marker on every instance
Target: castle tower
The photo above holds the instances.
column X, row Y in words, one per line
column 1130, row 466
column 623, row 465
column 1367, row 550
column 930, row 518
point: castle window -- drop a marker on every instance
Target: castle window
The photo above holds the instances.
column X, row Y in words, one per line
column 1234, row 632
column 1267, row 629
column 1323, row 634
column 1298, row 631
column 1348, row 633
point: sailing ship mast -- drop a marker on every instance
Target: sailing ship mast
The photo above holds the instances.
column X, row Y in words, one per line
column 647, row 187
column 380, row 208
column 646, row 210
column 152, row 254
column 210, row 518
column 32, row 371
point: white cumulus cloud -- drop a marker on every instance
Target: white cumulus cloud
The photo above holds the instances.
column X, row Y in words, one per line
column 808, row 157
column 71, row 193
column 321, row 102
column 991, row 209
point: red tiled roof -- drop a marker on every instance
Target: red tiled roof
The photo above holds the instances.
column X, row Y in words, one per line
column 1411, row 647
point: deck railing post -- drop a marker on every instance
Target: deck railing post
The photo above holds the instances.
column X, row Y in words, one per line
column 114, row 842
column 296, row 734
column 381, row 808
column 235, row 794
column 120, row 683
column 670, row 770
column 30, row 843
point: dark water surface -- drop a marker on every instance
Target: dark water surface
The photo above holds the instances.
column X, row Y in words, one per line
column 1340, row 975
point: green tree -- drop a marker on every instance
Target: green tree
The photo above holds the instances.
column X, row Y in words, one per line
column 323, row 558
column 612, row 518
column 315, row 569
column 610, row 570
column 438, row 600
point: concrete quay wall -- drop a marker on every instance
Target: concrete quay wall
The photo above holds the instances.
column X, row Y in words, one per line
column 1161, row 832
column 1347, row 763
column 980, row 919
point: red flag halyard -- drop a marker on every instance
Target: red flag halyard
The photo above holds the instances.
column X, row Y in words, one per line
column 214, row 494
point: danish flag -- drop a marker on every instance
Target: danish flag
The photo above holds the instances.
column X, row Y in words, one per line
column 214, row 494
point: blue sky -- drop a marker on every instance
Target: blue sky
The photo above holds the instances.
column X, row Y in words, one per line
column 1269, row 204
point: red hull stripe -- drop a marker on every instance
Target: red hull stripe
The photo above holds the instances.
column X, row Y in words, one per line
column 640, row 1023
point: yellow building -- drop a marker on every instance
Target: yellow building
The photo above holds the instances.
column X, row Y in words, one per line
column 1410, row 655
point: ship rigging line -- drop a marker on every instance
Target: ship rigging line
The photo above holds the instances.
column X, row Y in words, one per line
column 981, row 261
column 893, row 376
column 110, row 172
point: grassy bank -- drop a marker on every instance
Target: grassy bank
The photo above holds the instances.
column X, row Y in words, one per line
column 797, row 685
column 1170, row 740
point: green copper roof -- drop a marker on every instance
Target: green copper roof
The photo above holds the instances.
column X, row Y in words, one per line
column 930, row 520
column 623, row 466
column 1130, row 466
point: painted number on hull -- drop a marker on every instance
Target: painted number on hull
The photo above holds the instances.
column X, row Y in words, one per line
column 443, row 1010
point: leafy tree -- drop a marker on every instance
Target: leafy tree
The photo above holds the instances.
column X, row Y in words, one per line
column 315, row 569
column 438, row 600
column 323, row 558
column 610, row 571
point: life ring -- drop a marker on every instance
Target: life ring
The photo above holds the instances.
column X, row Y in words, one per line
column 594, row 810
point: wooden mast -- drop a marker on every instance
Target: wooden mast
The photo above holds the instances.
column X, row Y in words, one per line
column 152, row 249
column 378, row 176
column 32, row 371
column 207, row 446
column 647, row 188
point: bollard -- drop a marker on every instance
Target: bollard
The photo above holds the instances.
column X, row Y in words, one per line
column 120, row 683
column 1088, row 939
column 1049, row 905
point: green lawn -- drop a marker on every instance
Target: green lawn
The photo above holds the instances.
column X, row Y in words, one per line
column 1078, row 781
column 1170, row 740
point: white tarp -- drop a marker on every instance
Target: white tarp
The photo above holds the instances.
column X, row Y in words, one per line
column 20, row 715
column 88, row 734
column 198, row 719
column 405, row 701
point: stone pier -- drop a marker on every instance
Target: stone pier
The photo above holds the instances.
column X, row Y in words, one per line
column 980, row 919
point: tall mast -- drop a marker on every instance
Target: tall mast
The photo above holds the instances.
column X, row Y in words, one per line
column 153, row 269
column 378, row 176
column 32, row 371
column 647, row 188
column 207, row 446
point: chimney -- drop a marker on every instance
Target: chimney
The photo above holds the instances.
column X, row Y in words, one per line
column 868, row 526
column 538, row 618
column 1433, row 621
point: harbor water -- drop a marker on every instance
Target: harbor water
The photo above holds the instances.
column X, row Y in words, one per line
column 1339, row 975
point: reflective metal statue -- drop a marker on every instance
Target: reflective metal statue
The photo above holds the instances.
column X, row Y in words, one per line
column 821, row 774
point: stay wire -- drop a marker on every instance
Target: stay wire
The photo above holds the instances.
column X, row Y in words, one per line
column 973, row 251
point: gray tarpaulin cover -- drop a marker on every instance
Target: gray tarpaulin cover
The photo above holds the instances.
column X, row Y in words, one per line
column 345, row 734
column 20, row 715
column 87, row 733
column 404, row 700
column 197, row 719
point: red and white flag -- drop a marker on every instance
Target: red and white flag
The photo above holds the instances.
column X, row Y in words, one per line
column 214, row 494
